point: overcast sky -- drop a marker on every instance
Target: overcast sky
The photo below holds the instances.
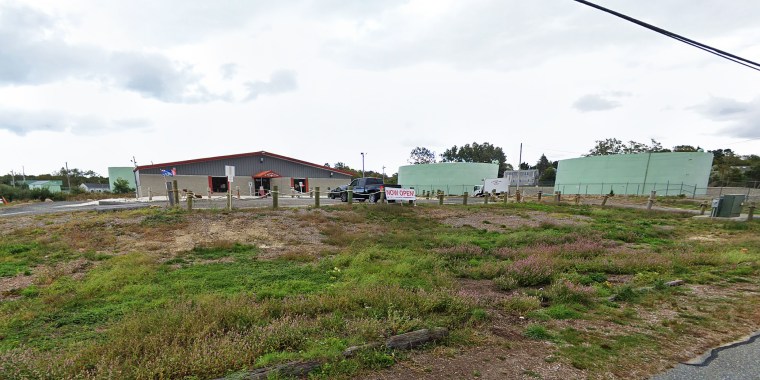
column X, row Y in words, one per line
column 95, row 83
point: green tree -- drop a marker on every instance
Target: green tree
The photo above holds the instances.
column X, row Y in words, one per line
column 485, row 152
column 421, row 155
column 543, row 164
column 615, row 146
column 549, row 175
column 121, row 186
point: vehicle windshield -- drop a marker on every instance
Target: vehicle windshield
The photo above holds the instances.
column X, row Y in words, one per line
column 374, row 181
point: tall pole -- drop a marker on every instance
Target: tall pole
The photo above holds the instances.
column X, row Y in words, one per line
column 362, row 164
column 383, row 173
column 23, row 174
column 519, row 164
column 68, row 179
column 13, row 179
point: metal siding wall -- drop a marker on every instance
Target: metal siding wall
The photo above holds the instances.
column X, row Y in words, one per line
column 452, row 177
column 248, row 166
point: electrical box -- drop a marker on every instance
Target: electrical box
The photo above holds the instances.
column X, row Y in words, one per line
column 728, row 206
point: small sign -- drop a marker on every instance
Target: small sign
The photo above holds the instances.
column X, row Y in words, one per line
column 229, row 171
column 395, row 194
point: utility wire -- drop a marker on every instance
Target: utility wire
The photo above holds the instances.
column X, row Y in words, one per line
column 698, row 45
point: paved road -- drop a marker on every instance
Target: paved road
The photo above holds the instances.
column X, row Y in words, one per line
column 734, row 362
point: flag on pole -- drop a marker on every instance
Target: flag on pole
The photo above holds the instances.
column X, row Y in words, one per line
column 166, row 173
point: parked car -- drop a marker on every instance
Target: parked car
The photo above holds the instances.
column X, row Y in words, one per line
column 366, row 188
column 335, row 193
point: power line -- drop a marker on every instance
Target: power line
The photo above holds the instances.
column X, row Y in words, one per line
column 696, row 44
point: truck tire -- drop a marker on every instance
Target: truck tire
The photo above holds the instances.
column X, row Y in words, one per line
column 374, row 197
column 344, row 197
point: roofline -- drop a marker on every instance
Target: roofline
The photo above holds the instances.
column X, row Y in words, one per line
column 240, row 155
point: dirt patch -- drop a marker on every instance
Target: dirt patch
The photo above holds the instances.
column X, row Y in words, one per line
column 496, row 223
column 9, row 286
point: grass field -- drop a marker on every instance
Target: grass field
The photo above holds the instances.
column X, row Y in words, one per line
column 116, row 295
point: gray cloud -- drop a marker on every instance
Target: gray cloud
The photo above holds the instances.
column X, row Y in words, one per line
column 509, row 35
column 34, row 53
column 21, row 122
column 744, row 117
column 599, row 102
column 279, row 82
column 228, row 70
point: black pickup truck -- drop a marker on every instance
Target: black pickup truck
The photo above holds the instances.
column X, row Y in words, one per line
column 365, row 188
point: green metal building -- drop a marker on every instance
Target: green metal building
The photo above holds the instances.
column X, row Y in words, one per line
column 453, row 178
column 53, row 186
column 126, row 173
column 671, row 173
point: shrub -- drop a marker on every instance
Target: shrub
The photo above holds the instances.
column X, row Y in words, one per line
column 564, row 291
column 538, row 332
column 532, row 271
column 506, row 283
column 521, row 304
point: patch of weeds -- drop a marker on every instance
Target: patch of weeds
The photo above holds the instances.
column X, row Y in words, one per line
column 538, row 332
column 506, row 283
column 521, row 304
column 164, row 217
column 562, row 312
column 626, row 293
column 479, row 315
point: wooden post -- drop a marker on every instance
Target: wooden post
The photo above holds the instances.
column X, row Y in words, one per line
column 190, row 197
column 464, row 198
column 229, row 199
column 652, row 197
column 275, row 197
column 382, row 195
column 604, row 201
column 518, row 196
column 577, row 199
column 440, row 198
column 540, row 193
column 209, row 194
column 506, row 197
column 175, row 190
column 150, row 194
column 350, row 195
column 427, row 194
column 751, row 212
column 486, row 196
column 237, row 189
column 702, row 208
column 557, row 197
column 316, row 197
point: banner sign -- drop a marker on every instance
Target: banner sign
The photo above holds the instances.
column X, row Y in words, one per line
column 229, row 171
column 395, row 194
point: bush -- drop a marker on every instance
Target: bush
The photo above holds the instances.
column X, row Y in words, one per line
column 121, row 186
column 532, row 271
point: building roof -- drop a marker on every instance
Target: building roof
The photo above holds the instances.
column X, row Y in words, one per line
column 241, row 155
column 267, row 174
column 97, row 185
column 46, row 183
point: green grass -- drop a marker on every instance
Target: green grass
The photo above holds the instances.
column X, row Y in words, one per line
column 397, row 273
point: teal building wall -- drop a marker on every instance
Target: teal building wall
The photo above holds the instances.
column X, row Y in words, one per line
column 636, row 174
column 453, row 178
column 127, row 173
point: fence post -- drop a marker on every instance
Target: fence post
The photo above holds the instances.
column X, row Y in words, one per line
column 577, row 199
column 518, row 196
column 275, row 196
column 539, row 195
column 702, row 208
column 601, row 192
column 150, row 194
column 604, row 201
column 175, row 192
column 382, row 194
column 316, row 197
column 486, row 196
column 350, row 195
column 652, row 197
column 558, row 196
column 464, row 198
column 506, row 197
column 440, row 197
column 190, row 196
column 751, row 212
column 626, row 188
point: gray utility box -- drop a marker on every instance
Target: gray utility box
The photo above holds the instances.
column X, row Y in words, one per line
column 727, row 206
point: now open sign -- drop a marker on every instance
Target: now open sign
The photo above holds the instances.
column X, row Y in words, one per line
column 394, row 194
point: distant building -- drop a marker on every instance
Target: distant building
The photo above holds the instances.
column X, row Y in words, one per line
column 253, row 172
column 95, row 187
column 668, row 173
column 452, row 178
column 528, row 177
column 126, row 173
column 52, row 186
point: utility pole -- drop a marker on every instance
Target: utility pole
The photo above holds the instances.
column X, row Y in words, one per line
column 23, row 174
column 13, row 179
column 383, row 173
column 519, row 165
column 362, row 164
column 68, row 179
